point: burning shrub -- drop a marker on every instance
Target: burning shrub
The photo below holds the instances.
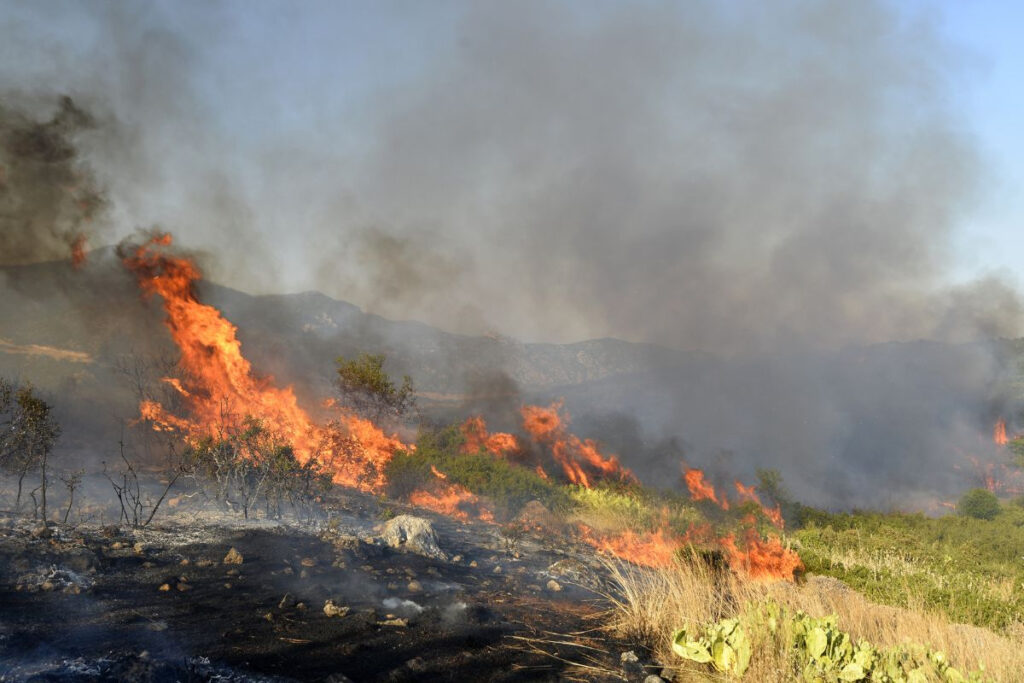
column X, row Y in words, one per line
column 252, row 463
column 506, row 485
column 979, row 504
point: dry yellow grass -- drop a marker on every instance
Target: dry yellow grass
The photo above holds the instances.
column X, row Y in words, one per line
column 649, row 605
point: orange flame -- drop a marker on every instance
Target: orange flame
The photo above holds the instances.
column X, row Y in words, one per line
column 452, row 500
column 221, row 381
column 701, row 489
column 474, row 429
column 580, row 460
column 999, row 433
column 648, row 549
column 748, row 493
column 761, row 560
column 78, row 251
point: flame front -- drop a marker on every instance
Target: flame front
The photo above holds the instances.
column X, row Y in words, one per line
column 580, row 460
column 499, row 444
column 999, row 433
column 220, row 384
column 701, row 489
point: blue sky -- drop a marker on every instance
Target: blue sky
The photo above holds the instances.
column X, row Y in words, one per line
column 993, row 101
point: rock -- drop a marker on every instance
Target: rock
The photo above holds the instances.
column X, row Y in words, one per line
column 164, row 587
column 332, row 610
column 457, row 559
column 399, row 623
column 308, row 562
column 497, row 570
column 233, row 557
column 138, row 548
column 414, row 586
column 631, row 664
column 415, row 534
column 184, row 562
column 554, row 586
column 41, row 530
column 46, row 585
column 182, row 586
column 473, row 564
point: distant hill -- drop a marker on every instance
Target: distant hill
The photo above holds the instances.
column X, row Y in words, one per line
column 898, row 424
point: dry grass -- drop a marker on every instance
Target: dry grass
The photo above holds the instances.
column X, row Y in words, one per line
column 649, row 605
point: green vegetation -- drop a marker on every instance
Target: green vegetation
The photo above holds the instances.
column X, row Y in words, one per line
column 28, row 433
column 979, row 503
column 812, row 649
column 369, row 391
column 967, row 568
column 505, row 484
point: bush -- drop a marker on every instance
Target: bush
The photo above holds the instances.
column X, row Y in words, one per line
column 979, row 504
column 507, row 485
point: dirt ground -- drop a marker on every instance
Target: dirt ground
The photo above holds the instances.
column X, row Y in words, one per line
column 96, row 603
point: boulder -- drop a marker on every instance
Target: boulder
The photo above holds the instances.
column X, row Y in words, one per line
column 415, row 534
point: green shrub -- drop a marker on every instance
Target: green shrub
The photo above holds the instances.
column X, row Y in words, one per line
column 979, row 504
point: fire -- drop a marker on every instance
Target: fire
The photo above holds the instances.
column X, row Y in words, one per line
column 78, row 251
column 700, row 489
column 221, row 383
column 761, row 560
column 648, row 549
column 999, row 433
column 580, row 460
column 749, row 493
column 474, row 429
column 448, row 499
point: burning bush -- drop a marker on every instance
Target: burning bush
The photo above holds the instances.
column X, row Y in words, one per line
column 505, row 485
column 252, row 464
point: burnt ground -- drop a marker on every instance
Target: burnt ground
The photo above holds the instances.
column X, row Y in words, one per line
column 97, row 603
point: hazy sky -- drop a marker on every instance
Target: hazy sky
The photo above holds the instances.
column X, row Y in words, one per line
column 717, row 174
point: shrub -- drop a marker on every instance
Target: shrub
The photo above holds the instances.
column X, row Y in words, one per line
column 507, row 485
column 979, row 504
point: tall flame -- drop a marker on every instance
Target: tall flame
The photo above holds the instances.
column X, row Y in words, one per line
column 580, row 459
column 474, row 429
column 701, row 489
column 999, row 433
column 220, row 383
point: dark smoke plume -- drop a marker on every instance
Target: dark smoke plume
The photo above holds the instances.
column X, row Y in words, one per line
column 49, row 199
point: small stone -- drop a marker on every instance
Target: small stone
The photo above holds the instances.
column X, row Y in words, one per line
column 654, row 678
column 497, row 570
column 46, row 585
column 164, row 587
column 392, row 586
column 184, row 562
column 398, row 623
column 233, row 557
column 232, row 572
column 148, row 565
column 457, row 559
column 287, row 571
column 117, row 545
column 182, row 587
column 554, row 586
column 268, row 616
column 205, row 563
column 332, row 610
column 138, row 548
column 227, row 585
column 473, row 564
column 301, row 606
column 414, row 586
column 304, row 574
column 308, row 562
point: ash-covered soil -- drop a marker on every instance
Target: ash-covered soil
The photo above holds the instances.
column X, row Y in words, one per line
column 166, row 603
